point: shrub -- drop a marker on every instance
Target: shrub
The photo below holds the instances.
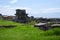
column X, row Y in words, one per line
column 55, row 31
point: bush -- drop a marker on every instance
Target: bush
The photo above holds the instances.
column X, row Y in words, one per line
column 55, row 31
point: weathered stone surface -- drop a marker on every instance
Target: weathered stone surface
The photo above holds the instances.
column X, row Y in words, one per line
column 21, row 16
column 1, row 17
column 46, row 26
column 55, row 25
column 43, row 26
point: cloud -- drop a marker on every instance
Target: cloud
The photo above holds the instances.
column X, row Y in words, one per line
column 6, row 10
column 50, row 10
column 44, row 12
column 9, row 10
column 13, row 1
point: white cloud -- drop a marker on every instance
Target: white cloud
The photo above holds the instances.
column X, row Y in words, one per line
column 42, row 12
column 8, row 10
column 45, row 11
column 50, row 10
column 13, row 1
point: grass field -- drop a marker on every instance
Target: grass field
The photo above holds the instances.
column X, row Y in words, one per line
column 27, row 32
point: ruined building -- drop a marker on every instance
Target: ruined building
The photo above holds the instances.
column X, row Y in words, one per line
column 1, row 17
column 21, row 16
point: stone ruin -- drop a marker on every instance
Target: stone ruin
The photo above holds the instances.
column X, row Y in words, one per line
column 21, row 16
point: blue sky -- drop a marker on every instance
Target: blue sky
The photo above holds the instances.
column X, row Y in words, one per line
column 36, row 8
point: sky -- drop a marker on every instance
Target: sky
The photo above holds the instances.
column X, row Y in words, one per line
column 36, row 8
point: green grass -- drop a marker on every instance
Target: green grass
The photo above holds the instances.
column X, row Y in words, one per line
column 26, row 32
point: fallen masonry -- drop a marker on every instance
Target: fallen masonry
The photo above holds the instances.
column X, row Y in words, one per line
column 46, row 26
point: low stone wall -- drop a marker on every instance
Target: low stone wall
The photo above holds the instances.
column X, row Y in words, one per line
column 46, row 26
